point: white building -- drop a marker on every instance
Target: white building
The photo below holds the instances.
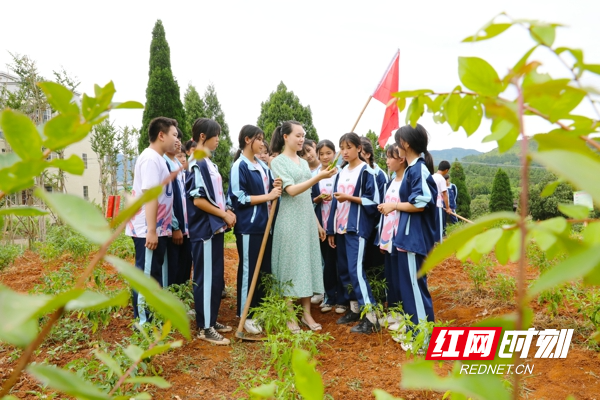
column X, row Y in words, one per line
column 86, row 185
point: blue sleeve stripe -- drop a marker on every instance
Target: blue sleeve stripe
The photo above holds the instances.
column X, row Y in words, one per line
column 424, row 199
column 199, row 182
column 242, row 197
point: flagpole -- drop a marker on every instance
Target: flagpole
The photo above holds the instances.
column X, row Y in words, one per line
column 361, row 113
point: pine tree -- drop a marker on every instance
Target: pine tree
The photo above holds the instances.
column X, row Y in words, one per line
column 163, row 97
column 501, row 198
column 463, row 200
column 194, row 108
column 284, row 105
column 222, row 156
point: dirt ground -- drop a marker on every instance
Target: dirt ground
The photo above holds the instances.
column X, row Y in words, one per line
column 351, row 365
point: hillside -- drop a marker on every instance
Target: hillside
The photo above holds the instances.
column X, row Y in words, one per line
column 455, row 153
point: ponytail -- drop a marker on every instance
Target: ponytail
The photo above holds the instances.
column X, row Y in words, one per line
column 429, row 161
column 367, row 147
column 237, row 155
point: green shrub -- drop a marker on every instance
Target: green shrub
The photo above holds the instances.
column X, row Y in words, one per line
column 503, row 287
column 122, row 247
column 8, row 254
column 61, row 239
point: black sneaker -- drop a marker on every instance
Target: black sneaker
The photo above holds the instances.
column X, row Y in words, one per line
column 348, row 317
column 211, row 335
column 365, row 326
column 222, row 328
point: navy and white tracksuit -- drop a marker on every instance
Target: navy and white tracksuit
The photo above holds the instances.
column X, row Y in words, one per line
column 246, row 179
column 414, row 239
column 179, row 256
column 373, row 257
column 334, row 290
column 452, row 197
column 207, row 240
column 350, row 246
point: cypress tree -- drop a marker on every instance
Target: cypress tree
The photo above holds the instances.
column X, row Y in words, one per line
column 463, row 200
column 194, row 107
column 222, row 156
column 501, row 198
column 284, row 105
column 162, row 93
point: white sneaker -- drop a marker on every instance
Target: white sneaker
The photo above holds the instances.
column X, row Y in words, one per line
column 316, row 299
column 252, row 327
column 409, row 347
column 340, row 309
column 389, row 319
column 326, row 307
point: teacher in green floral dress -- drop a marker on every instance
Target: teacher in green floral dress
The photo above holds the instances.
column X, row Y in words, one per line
column 296, row 255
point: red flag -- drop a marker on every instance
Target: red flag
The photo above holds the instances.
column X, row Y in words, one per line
column 383, row 93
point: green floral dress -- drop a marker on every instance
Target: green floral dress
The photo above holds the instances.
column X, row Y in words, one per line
column 296, row 254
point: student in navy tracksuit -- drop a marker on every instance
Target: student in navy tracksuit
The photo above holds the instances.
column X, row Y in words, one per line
column 351, row 221
column 417, row 228
column 452, row 196
column 208, row 220
column 322, row 196
column 179, row 250
column 251, row 191
column 388, row 227
column 373, row 257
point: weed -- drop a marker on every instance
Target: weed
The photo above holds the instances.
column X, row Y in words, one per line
column 554, row 297
column 376, row 279
column 503, row 287
column 122, row 247
column 8, row 254
column 478, row 273
column 185, row 293
column 355, row 384
column 275, row 311
column 62, row 239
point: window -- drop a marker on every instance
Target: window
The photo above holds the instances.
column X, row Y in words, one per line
column 48, row 188
column 4, row 150
column 84, row 158
column 85, row 193
column 47, row 115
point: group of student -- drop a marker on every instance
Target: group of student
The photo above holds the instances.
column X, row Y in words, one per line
column 338, row 215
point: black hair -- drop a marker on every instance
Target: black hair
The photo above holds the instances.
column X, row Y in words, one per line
column 247, row 131
column 417, row 138
column 393, row 151
column 446, row 176
column 367, row 147
column 277, row 141
column 307, row 143
column 179, row 133
column 209, row 127
column 160, row 124
column 325, row 143
column 444, row 165
column 266, row 144
column 189, row 144
column 353, row 139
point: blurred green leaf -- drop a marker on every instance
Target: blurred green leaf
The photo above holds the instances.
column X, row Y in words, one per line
column 568, row 100
column 458, row 238
column 486, row 241
column 127, row 104
column 134, row 352
column 414, row 112
column 165, row 303
column 421, row 375
column 132, row 209
column 383, row 395
column 308, row 381
column 560, row 139
column 79, row 214
column 501, row 251
column 488, row 32
column 411, row 93
column 265, row 391
column 594, row 68
column 23, row 211
column 578, row 169
column 508, row 322
column 73, row 165
column 162, row 348
column 591, row 234
column 479, row 76
column 65, row 129
column 109, row 362
column 514, row 246
column 574, row 267
column 66, row 382
column 21, row 134
column 150, row 380
column 59, row 97
column 470, row 114
column 543, row 34
column 7, row 160
column 574, row 211
column 20, row 175
column 98, row 301
column 550, row 188
column 451, row 106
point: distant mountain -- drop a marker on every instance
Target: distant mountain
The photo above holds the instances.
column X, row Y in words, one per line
column 509, row 157
column 452, row 154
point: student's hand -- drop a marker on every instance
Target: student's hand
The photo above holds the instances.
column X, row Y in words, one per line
column 151, row 240
column 386, row 208
column 327, row 197
column 382, row 251
column 275, row 193
column 331, row 240
column 229, row 218
column 341, row 197
column 322, row 234
column 326, row 173
column 177, row 237
column 318, row 200
column 449, row 210
column 277, row 182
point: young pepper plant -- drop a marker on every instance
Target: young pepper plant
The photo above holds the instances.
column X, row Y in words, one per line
column 569, row 150
column 20, row 312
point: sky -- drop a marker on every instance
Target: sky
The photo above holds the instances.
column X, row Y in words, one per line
column 331, row 54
